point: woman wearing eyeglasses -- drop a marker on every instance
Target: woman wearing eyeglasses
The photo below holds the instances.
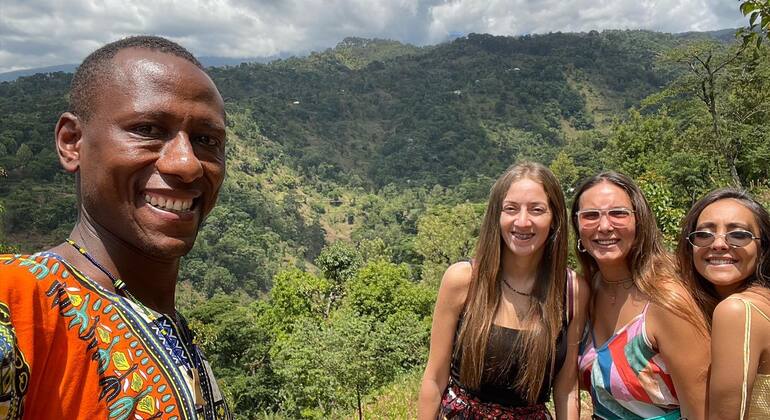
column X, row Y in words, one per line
column 506, row 325
column 724, row 253
column 645, row 352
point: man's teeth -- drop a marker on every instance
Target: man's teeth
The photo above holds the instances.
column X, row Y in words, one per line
column 168, row 203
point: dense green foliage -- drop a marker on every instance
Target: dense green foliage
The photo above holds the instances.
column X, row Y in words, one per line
column 758, row 12
column 357, row 174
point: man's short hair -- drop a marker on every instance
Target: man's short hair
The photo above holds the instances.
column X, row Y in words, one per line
column 96, row 67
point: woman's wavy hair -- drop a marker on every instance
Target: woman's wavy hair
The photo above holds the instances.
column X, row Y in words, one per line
column 705, row 293
column 652, row 268
column 535, row 349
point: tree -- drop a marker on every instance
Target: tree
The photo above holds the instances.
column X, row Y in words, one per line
column 351, row 355
column 298, row 295
column 3, row 247
column 24, row 154
column 364, row 353
column 658, row 193
column 237, row 336
column 446, row 235
column 338, row 262
column 758, row 12
column 708, row 64
column 380, row 330
column 308, row 391
column 563, row 167
column 381, row 289
column 712, row 122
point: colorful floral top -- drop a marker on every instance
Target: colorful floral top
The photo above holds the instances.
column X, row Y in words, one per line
column 626, row 377
column 69, row 349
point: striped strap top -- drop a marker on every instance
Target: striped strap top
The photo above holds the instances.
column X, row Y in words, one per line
column 626, row 377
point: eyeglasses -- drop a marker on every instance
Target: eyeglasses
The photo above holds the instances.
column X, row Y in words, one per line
column 734, row 238
column 618, row 216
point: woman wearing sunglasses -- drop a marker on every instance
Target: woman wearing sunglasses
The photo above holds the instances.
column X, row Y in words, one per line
column 645, row 352
column 724, row 253
column 506, row 325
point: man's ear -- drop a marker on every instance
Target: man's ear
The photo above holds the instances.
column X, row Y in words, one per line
column 69, row 134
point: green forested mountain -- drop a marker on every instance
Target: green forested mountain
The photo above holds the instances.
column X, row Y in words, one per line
column 357, row 174
column 439, row 114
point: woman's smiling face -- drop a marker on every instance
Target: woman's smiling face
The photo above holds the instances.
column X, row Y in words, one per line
column 726, row 267
column 609, row 240
column 525, row 220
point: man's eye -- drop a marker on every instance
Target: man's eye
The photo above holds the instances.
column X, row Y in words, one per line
column 207, row 140
column 148, row 130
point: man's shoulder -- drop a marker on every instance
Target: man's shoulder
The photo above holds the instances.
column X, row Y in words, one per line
column 38, row 265
column 18, row 267
column 29, row 273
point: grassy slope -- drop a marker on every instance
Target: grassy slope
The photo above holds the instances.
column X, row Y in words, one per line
column 398, row 400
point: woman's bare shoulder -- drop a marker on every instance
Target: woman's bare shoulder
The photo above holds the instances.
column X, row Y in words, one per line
column 455, row 283
column 757, row 295
column 457, row 276
column 733, row 307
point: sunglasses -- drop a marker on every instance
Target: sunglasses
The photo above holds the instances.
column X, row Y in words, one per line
column 619, row 216
column 734, row 238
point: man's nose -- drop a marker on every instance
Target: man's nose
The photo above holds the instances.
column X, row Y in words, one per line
column 178, row 158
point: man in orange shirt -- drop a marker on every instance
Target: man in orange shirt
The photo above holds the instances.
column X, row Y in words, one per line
column 88, row 329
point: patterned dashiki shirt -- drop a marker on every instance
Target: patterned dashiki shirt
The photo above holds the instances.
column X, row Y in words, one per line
column 69, row 349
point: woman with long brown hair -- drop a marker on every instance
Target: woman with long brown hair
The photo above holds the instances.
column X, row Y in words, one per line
column 645, row 352
column 506, row 325
column 724, row 253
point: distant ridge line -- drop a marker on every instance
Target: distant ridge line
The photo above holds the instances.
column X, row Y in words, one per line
column 210, row 61
column 70, row 68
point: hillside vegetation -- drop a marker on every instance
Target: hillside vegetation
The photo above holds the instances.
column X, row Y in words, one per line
column 356, row 175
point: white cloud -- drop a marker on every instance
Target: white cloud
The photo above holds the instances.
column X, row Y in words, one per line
column 515, row 17
column 37, row 33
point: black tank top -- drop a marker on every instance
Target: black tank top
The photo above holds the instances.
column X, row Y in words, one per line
column 499, row 374
column 496, row 381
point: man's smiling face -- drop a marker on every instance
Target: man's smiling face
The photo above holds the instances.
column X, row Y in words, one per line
column 152, row 153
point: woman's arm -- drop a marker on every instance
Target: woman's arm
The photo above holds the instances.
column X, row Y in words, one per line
column 449, row 304
column 685, row 350
column 566, row 394
column 727, row 367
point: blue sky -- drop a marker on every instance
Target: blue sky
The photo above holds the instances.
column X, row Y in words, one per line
column 36, row 33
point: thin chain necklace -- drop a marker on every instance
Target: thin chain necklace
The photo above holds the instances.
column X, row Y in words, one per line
column 621, row 281
column 120, row 288
column 518, row 292
column 613, row 296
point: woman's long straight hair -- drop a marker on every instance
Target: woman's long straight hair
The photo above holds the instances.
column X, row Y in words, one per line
column 535, row 350
column 652, row 268
column 705, row 293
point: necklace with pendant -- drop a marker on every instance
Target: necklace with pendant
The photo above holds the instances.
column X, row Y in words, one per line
column 621, row 282
column 187, row 338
